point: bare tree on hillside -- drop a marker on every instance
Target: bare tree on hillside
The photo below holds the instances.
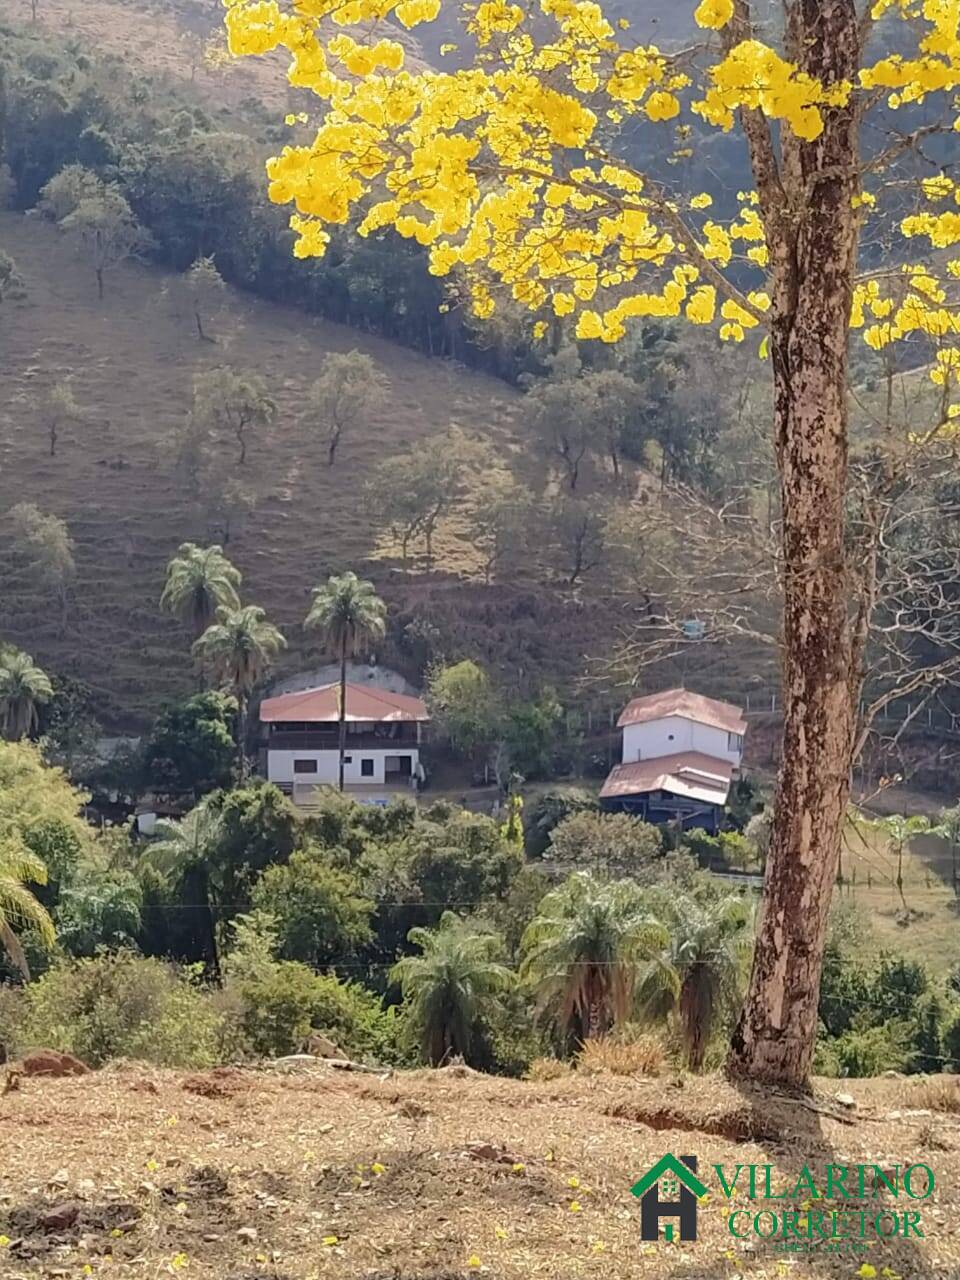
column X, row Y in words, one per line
column 578, row 529
column 42, row 543
column 413, row 492
column 226, row 499
column 232, row 403
column 500, row 513
column 198, row 293
column 106, row 230
column 348, row 392
column 562, row 414
column 58, row 408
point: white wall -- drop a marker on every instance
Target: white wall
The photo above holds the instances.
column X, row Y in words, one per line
column 280, row 766
column 672, row 734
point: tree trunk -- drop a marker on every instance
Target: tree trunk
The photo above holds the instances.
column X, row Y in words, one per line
column 11, row 945
column 241, row 735
column 812, row 245
column 903, row 901
column 332, row 447
column 99, row 271
column 200, row 333
column 211, row 927
column 595, row 1020
column 696, row 1030
column 343, row 711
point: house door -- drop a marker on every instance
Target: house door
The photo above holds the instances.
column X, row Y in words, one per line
column 398, row 766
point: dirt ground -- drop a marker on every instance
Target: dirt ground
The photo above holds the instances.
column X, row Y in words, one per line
column 249, row 1175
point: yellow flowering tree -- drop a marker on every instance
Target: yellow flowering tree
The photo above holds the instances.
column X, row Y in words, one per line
column 509, row 168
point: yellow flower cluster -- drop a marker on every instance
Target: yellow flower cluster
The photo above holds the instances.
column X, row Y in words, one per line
column 753, row 75
column 503, row 168
column 713, row 14
column 946, row 370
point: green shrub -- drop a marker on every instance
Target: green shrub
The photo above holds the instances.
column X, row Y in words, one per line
column 951, row 1043
column 319, row 909
column 604, row 840
column 871, row 1051
column 549, row 809
column 122, row 1006
column 282, row 1004
column 12, row 1010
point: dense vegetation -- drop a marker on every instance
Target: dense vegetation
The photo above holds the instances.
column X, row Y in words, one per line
column 401, row 934
column 239, row 926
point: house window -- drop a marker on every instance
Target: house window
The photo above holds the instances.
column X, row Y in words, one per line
column 734, row 741
column 348, row 759
column 304, row 766
column 366, row 768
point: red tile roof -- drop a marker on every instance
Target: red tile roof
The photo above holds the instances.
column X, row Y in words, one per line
column 364, row 703
column 688, row 773
column 687, row 705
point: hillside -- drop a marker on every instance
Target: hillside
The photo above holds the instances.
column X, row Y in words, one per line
column 130, row 363
column 245, row 1175
column 177, row 39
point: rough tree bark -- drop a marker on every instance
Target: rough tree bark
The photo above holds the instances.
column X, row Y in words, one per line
column 812, row 238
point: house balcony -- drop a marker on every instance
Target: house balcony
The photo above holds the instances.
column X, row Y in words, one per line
column 401, row 738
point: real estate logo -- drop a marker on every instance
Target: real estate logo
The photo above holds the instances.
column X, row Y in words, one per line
column 839, row 1208
column 670, row 1189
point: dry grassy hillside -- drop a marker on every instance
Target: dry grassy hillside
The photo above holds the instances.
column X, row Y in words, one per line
column 175, row 38
column 244, row 1175
column 130, row 363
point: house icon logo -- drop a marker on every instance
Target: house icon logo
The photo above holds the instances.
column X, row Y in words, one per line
column 670, row 1189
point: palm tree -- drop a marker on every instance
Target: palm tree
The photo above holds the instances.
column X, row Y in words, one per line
column 18, row 907
column 23, row 688
column 183, row 853
column 583, row 950
column 451, row 985
column 696, row 976
column 200, row 581
column 239, row 648
column 349, row 613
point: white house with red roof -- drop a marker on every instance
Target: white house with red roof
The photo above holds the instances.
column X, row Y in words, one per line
column 384, row 733
column 680, row 754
